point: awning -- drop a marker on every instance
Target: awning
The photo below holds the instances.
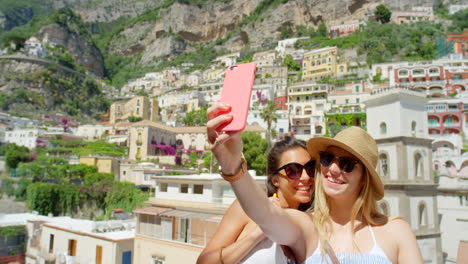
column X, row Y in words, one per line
column 191, row 215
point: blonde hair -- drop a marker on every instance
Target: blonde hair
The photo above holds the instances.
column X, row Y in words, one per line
column 365, row 207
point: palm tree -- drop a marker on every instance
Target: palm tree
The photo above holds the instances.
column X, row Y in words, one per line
column 269, row 115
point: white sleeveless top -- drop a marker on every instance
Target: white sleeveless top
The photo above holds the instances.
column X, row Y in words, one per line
column 375, row 256
column 265, row 252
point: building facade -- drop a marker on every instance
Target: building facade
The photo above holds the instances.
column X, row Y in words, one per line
column 138, row 106
column 320, row 63
column 396, row 118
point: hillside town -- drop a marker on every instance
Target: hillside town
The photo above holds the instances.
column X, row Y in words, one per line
column 416, row 110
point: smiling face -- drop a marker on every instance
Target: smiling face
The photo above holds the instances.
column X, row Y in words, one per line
column 338, row 184
column 293, row 192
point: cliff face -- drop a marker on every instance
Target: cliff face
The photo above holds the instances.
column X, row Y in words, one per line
column 210, row 22
column 84, row 52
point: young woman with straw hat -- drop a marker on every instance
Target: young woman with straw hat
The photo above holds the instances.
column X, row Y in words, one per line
column 345, row 213
column 290, row 183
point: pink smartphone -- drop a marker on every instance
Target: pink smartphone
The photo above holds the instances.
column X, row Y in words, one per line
column 237, row 90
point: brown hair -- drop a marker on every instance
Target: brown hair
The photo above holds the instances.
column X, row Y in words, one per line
column 273, row 160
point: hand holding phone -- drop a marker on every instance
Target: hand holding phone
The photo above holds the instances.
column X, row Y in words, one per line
column 237, row 90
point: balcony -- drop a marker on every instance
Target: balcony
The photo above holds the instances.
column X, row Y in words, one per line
column 451, row 124
column 432, row 125
column 459, row 81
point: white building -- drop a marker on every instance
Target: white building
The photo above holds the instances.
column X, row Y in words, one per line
column 396, row 118
column 287, row 45
column 68, row 240
column 455, row 8
column 451, row 171
column 24, row 137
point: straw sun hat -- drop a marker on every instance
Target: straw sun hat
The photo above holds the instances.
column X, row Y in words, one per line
column 357, row 142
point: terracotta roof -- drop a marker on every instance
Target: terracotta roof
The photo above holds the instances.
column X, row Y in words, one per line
column 187, row 129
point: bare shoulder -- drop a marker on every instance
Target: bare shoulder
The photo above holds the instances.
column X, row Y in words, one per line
column 398, row 228
column 398, row 225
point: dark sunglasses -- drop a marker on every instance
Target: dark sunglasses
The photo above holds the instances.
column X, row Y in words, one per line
column 294, row 170
column 345, row 164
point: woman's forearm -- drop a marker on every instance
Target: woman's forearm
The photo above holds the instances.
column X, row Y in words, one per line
column 273, row 220
column 237, row 251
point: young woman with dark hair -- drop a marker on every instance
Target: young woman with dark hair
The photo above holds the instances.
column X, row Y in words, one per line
column 290, row 173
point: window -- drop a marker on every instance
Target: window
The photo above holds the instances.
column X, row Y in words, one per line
column 334, row 101
column 298, row 99
column 72, row 247
column 347, row 101
column 51, row 243
column 383, row 159
column 184, row 188
column 163, row 187
column 422, row 215
column 356, row 89
column 198, row 188
column 413, row 127
column 418, row 166
column 383, row 128
column 307, row 98
column 158, row 260
column 98, row 254
column 184, row 233
column 357, row 100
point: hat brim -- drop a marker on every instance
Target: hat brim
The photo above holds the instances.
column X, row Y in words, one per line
column 315, row 145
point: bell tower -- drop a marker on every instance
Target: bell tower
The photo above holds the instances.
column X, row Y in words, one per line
column 397, row 119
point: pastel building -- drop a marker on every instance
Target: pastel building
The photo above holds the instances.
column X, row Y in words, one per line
column 420, row 13
column 343, row 30
column 265, row 58
column 155, row 141
column 138, row 106
column 447, row 116
column 460, row 42
column 307, row 102
column 320, row 63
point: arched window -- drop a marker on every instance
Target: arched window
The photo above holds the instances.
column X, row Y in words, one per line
column 418, row 166
column 413, row 128
column 422, row 215
column 383, row 165
column 383, row 128
column 384, row 208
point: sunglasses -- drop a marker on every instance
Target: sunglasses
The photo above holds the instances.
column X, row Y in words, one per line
column 345, row 164
column 294, row 170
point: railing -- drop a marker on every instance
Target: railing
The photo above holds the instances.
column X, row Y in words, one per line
column 433, row 125
column 451, row 124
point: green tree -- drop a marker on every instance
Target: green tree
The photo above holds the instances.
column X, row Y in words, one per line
column 292, row 65
column 382, row 14
column 322, row 30
column 134, row 119
column 270, row 116
column 21, row 189
column 255, row 149
column 125, row 196
column 196, row 117
column 16, row 154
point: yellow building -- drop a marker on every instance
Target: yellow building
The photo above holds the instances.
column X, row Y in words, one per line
column 103, row 164
column 138, row 106
column 320, row 63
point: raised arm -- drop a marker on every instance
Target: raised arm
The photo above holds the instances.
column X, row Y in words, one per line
column 234, row 236
column 282, row 226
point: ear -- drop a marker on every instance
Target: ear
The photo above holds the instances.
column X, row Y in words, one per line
column 275, row 182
